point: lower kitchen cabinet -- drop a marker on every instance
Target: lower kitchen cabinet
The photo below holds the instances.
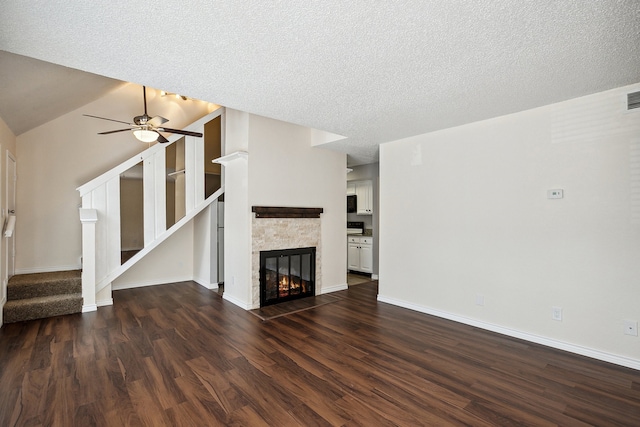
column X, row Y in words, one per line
column 360, row 253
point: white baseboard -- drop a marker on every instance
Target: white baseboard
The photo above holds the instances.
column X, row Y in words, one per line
column 48, row 269
column 374, row 277
column 204, row 284
column 89, row 307
column 549, row 342
column 104, row 302
column 237, row 302
column 335, row 288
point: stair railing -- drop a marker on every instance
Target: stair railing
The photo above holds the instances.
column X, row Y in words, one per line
column 100, row 211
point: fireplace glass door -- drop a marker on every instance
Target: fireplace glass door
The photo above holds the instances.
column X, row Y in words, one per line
column 286, row 274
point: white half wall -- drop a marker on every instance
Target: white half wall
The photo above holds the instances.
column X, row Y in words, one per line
column 467, row 231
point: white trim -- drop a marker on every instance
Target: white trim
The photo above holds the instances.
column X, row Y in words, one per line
column 10, row 242
column 549, row 342
column 237, row 302
column 2, row 303
column 204, row 284
column 89, row 307
column 104, row 302
column 374, row 277
column 48, row 269
column 334, row 288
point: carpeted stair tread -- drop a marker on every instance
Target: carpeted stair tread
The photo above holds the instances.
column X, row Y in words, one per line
column 40, row 295
column 25, row 286
column 41, row 307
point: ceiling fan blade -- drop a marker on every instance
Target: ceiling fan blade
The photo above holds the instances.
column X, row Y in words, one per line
column 179, row 132
column 161, row 139
column 104, row 118
column 114, row 131
column 157, row 121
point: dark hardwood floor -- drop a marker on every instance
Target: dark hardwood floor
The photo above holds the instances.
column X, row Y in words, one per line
column 180, row 355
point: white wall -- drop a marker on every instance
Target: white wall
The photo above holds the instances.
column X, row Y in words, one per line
column 7, row 138
column 285, row 170
column 464, row 212
column 172, row 261
column 57, row 157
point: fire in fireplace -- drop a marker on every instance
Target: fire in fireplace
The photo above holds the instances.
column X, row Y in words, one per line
column 287, row 274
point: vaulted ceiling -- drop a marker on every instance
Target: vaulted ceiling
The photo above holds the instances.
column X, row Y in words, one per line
column 371, row 71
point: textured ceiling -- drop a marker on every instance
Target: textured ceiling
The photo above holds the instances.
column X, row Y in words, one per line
column 371, row 71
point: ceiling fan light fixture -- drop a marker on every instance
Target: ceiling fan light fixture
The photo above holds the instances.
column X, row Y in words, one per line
column 145, row 135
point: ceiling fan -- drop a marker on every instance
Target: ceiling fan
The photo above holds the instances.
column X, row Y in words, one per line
column 145, row 128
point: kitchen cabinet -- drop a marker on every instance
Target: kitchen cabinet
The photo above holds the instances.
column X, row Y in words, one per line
column 351, row 188
column 360, row 253
column 364, row 194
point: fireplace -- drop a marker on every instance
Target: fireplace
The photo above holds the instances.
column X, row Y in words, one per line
column 287, row 274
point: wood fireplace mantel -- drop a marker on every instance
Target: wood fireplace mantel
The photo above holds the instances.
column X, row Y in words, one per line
column 285, row 212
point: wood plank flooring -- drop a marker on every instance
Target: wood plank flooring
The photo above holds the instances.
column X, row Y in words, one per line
column 285, row 308
column 180, row 355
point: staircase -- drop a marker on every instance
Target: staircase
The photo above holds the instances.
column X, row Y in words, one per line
column 101, row 217
column 40, row 295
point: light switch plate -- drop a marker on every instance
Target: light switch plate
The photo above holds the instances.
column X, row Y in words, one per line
column 555, row 194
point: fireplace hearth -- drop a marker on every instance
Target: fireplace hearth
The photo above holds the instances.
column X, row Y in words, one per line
column 286, row 274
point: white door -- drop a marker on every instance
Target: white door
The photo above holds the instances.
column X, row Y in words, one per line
column 10, row 242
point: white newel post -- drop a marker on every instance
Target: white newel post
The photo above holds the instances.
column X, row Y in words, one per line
column 88, row 217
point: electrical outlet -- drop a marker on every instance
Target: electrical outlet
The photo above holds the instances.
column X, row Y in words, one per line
column 479, row 299
column 631, row 327
column 556, row 313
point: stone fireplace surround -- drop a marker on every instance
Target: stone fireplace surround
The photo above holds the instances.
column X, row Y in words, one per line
column 301, row 227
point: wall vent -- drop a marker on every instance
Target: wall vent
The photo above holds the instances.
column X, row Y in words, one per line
column 633, row 100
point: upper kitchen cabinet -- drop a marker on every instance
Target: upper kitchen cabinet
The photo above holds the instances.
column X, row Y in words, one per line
column 351, row 188
column 364, row 195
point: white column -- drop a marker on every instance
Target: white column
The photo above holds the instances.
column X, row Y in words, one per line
column 149, row 206
column 190, row 173
column 160, row 191
column 88, row 217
